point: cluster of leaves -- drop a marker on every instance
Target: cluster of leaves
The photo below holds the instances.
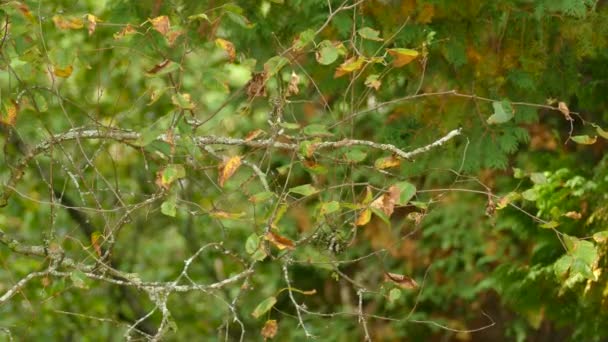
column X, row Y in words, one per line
column 169, row 158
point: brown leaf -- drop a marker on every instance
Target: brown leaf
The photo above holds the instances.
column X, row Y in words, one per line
column 270, row 329
column 279, row 241
column 228, row 47
column 91, row 23
column 127, row 30
column 401, row 280
column 67, row 23
column 227, row 168
column 63, row 72
column 161, row 24
column 257, row 85
column 95, row 241
column 292, row 87
column 172, row 36
column 253, row 134
column 564, row 109
column 387, row 201
column 387, row 162
column 158, row 67
column 403, row 56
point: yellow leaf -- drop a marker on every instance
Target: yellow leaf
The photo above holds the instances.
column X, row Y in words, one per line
column 387, row 162
column 67, row 23
column 95, row 241
column 161, row 24
column 279, row 241
column 228, row 47
column 402, row 56
column 352, row 64
column 220, row 214
column 364, row 217
column 63, row 72
column 227, row 168
column 9, row 117
column 92, row 23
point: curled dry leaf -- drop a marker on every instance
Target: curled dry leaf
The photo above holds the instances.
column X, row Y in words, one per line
column 256, row 85
column 401, row 280
column 228, row 47
column 227, row 168
column 387, row 201
column 158, row 67
column 91, row 23
column 173, row 35
column 564, row 109
column 279, row 241
column 403, row 56
column 270, row 329
column 573, row 215
column 161, row 24
column 292, row 87
column 127, row 30
column 253, row 134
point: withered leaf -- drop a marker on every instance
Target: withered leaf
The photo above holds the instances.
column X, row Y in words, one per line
column 279, row 241
column 228, row 47
column 227, row 168
column 161, row 24
column 401, row 280
column 292, row 87
column 270, row 329
column 257, row 85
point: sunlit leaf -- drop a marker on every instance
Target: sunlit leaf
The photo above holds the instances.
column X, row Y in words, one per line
column 67, row 23
column 364, row 217
column 168, row 207
column 329, row 207
column 352, row 64
column 373, row 81
column 227, row 168
column 161, row 24
column 270, row 328
column 549, row 225
column 274, row 65
column 584, row 139
column 91, row 23
column 171, row 173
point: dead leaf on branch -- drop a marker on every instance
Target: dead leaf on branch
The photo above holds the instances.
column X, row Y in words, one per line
column 270, row 329
column 161, row 24
column 565, row 110
column 227, row 168
column 67, row 23
column 387, row 201
column 91, row 23
column 228, row 47
column 279, row 241
column 401, row 280
column 127, row 30
column 292, row 87
column 256, row 85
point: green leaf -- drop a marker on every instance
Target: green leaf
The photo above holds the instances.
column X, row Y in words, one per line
column 530, row 194
column 259, row 255
column 538, row 178
column 304, row 190
column 550, row 225
column 252, row 243
column 261, row 197
column 172, row 172
column 151, row 133
column 407, row 192
column 327, row 53
column 274, row 65
column 316, row 130
column 518, row 173
column 600, row 131
column 264, row 306
column 79, row 279
column 562, row 265
column 369, row 33
column 304, row 38
column 168, row 207
column 584, row 139
column 600, row 237
column 182, row 101
column 503, row 112
column 329, row 207
column 200, row 16
column 355, row 155
column 381, row 215
column 394, row 294
column 290, row 125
